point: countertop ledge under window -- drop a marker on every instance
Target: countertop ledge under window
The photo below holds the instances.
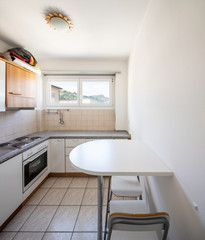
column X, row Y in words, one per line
column 67, row 134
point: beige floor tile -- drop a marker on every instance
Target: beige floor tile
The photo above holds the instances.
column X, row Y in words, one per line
column 28, row 236
column 57, row 236
column 49, row 182
column 129, row 198
column 53, row 197
column 39, row 219
column 38, row 216
column 79, row 182
column 62, row 182
column 90, row 197
column 73, row 196
column 87, row 219
column 64, row 219
column 92, row 182
column 7, row 235
column 37, row 197
column 84, row 236
column 114, row 197
column 18, row 221
column 105, row 193
column 105, row 182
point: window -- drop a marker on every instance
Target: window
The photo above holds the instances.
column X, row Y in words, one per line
column 86, row 91
column 63, row 92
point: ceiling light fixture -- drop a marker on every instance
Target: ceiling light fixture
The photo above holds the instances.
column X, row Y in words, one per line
column 59, row 22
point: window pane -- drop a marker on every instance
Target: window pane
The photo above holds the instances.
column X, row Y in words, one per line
column 96, row 92
column 63, row 92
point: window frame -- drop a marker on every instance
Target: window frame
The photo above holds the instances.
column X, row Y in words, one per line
column 80, row 80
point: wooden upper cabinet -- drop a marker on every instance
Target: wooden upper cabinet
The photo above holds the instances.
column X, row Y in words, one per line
column 29, row 84
column 14, row 80
column 20, row 87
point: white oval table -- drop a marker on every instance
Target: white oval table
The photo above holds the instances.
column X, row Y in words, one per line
column 116, row 158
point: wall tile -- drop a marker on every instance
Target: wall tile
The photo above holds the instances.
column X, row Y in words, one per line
column 15, row 124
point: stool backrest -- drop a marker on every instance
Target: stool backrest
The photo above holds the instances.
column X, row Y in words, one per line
column 139, row 222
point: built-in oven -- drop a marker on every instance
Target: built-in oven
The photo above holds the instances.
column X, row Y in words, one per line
column 34, row 165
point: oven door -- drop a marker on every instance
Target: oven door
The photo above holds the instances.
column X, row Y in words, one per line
column 33, row 167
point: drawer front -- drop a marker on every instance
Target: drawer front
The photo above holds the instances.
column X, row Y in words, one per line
column 67, row 151
column 42, row 145
column 34, row 150
column 89, row 140
column 29, row 153
column 69, row 167
column 74, row 142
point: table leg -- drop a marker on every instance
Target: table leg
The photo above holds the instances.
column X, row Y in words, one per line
column 100, row 202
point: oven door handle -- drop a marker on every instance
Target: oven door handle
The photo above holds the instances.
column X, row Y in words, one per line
column 34, row 156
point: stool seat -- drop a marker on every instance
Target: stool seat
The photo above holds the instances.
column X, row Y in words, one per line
column 128, row 206
column 126, row 186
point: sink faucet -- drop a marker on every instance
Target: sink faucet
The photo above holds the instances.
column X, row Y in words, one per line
column 61, row 117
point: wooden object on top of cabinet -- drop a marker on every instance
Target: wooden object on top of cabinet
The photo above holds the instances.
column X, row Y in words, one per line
column 20, row 87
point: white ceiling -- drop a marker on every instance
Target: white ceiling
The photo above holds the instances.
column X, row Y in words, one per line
column 102, row 28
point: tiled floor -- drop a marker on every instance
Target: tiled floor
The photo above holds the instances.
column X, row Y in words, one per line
column 64, row 208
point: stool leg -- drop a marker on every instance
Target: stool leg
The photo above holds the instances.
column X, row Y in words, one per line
column 109, row 196
column 139, row 181
column 100, row 203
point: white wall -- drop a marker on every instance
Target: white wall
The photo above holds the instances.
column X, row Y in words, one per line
column 166, row 100
column 4, row 46
column 98, row 66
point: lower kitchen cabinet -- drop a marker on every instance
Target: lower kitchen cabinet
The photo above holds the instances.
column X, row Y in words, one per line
column 57, row 155
column 69, row 145
column 10, row 187
column 69, row 167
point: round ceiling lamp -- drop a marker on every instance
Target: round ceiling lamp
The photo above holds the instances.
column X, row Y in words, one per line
column 59, row 22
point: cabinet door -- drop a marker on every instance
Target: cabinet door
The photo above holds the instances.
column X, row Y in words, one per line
column 57, row 155
column 10, row 187
column 20, row 87
column 69, row 167
column 2, row 85
column 70, row 144
column 14, row 84
column 29, row 85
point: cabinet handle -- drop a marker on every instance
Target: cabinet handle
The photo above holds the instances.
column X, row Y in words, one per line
column 13, row 93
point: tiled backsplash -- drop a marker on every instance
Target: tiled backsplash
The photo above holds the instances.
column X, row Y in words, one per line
column 14, row 124
column 79, row 120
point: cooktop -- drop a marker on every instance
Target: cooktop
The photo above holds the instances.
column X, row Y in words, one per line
column 16, row 144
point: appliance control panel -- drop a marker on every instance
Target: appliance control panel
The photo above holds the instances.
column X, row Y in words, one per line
column 34, row 150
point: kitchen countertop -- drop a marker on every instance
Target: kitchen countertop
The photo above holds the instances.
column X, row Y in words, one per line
column 66, row 134
column 84, row 134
